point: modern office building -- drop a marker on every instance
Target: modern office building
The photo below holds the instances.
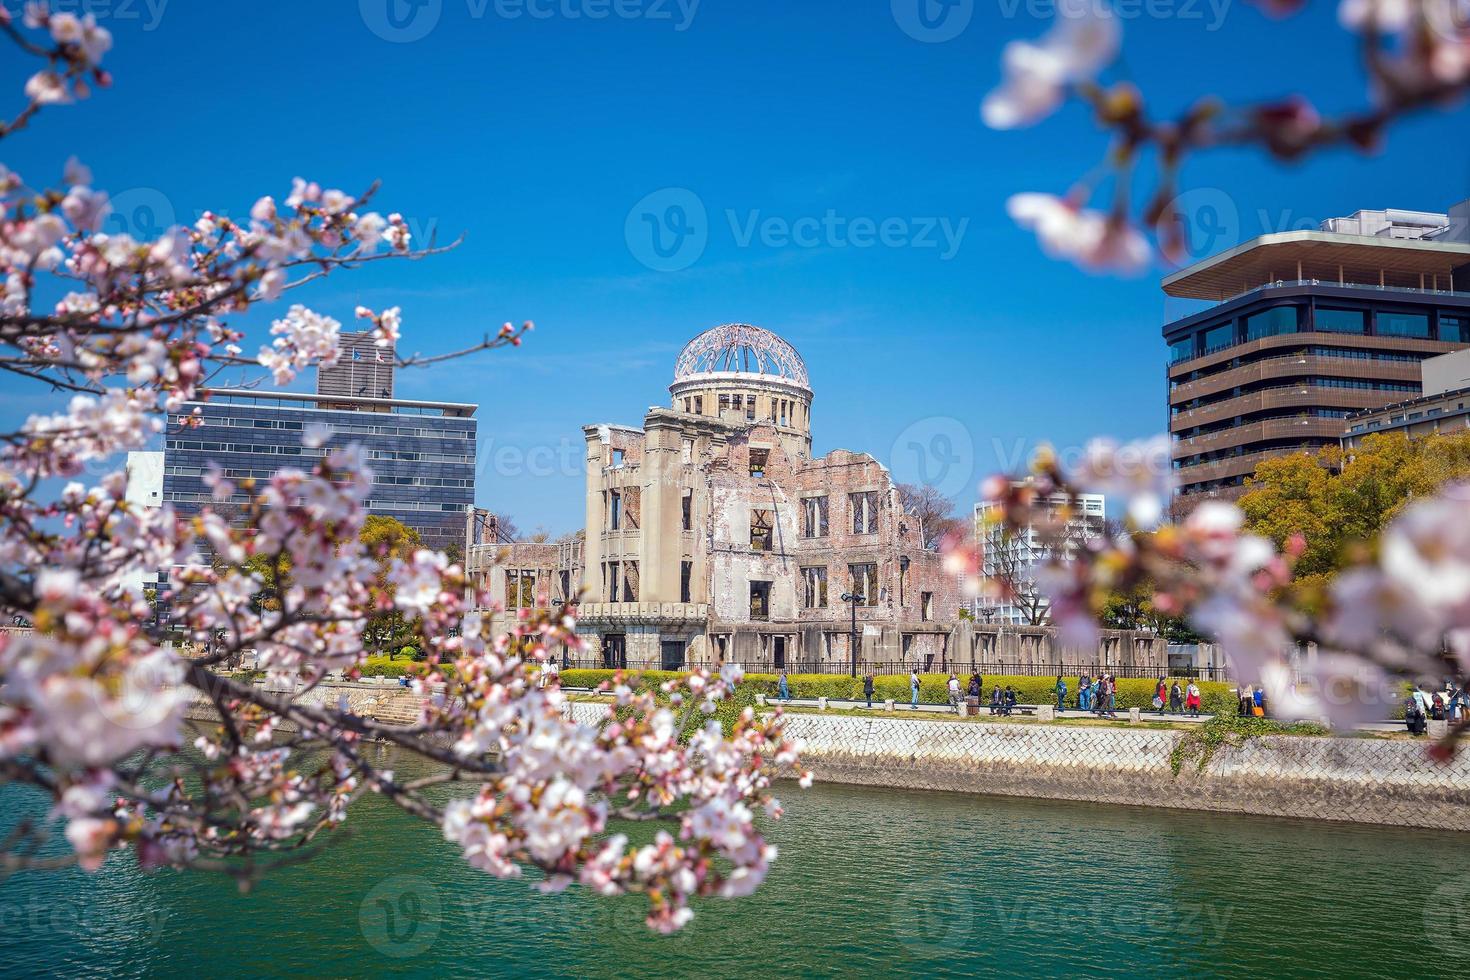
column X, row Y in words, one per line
column 1303, row 329
column 712, row 534
column 1444, row 407
column 422, row 453
column 1009, row 562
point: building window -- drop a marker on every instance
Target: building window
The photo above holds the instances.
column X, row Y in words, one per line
column 610, row 579
column 1402, row 325
column 814, row 517
column 750, row 409
column 1181, row 350
column 1342, row 321
column 1218, row 338
column 614, row 509
column 814, row 587
column 1271, row 323
column 724, row 404
column 617, row 458
column 614, row 651
column 565, row 578
column 865, row 583
column 698, row 404
column 926, row 606
column 630, row 581
column 760, row 530
column 760, row 600
column 686, row 578
column 759, row 459
column 520, row 588
column 688, row 451
column 1455, row 329
column 687, row 511
column 864, row 511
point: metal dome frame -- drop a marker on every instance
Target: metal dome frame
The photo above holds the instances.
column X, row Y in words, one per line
column 741, row 349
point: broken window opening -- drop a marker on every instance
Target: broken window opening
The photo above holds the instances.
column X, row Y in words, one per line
column 926, row 606
column 610, row 579
column 864, row 511
column 520, row 588
column 617, row 458
column 688, row 451
column 632, row 507
column 814, row 517
column 614, row 510
column 686, row 581
column 630, row 581
column 760, row 600
column 814, row 581
column 865, row 583
column 687, row 505
column 759, row 460
column 761, row 522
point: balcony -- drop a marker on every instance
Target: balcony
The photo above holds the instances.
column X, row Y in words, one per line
column 1299, row 366
column 1282, row 396
column 1221, row 469
column 1293, row 428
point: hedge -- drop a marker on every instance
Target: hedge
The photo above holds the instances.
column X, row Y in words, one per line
column 1215, row 697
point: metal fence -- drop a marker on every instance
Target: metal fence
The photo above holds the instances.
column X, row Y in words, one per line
column 896, row 667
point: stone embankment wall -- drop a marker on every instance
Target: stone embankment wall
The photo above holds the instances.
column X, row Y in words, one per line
column 389, row 704
column 1359, row 780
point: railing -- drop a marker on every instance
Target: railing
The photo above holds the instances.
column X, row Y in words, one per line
column 963, row 669
column 1292, row 283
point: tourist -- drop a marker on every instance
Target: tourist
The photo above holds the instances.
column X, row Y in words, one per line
column 1010, row 700
column 1414, row 714
column 783, row 688
column 1100, row 695
column 1176, row 699
column 1084, row 693
column 1161, row 695
column 1061, row 693
column 868, row 687
column 1246, row 701
column 1421, row 700
column 954, row 693
column 977, row 687
column 995, row 704
column 1191, row 699
column 914, row 689
column 1260, row 702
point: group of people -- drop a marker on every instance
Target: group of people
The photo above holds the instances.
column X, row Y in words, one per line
column 1421, row 706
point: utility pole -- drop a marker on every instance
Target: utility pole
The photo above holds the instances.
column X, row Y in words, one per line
column 851, row 599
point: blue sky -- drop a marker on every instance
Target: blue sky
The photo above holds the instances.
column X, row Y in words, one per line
column 538, row 137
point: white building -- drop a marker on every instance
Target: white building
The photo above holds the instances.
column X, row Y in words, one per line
column 145, row 489
column 1014, row 559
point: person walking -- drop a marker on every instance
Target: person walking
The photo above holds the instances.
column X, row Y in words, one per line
column 1061, row 693
column 1176, row 698
column 914, row 689
column 1084, row 693
column 1161, row 695
column 1191, row 699
column 1112, row 696
column 783, row 688
column 868, row 687
column 954, row 693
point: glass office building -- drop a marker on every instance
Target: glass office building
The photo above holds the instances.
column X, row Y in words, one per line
column 1307, row 328
column 422, row 454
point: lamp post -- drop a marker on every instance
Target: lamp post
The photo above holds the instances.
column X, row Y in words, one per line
column 852, row 599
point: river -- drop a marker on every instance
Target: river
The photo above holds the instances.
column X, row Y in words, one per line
column 869, row 881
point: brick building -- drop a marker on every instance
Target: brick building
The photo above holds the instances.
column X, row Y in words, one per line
column 712, row 535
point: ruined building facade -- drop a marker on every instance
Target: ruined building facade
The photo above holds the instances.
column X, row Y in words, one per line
column 712, row 535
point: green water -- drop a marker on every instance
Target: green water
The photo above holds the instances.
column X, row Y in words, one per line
column 869, row 882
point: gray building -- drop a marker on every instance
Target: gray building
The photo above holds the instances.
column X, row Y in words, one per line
column 422, row 453
column 1443, row 408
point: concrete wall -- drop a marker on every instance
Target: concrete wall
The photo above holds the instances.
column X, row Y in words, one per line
column 1347, row 779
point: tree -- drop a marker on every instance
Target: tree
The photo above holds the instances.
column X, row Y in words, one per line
column 934, row 511
column 92, row 706
column 387, row 540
